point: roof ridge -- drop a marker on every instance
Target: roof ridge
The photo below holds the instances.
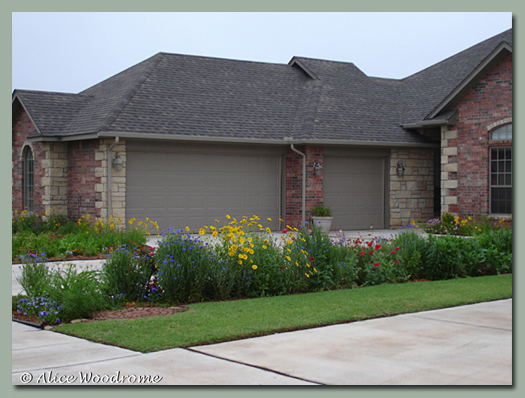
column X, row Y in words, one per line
column 130, row 93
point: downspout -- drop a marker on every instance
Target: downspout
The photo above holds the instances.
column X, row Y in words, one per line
column 304, row 184
column 110, row 210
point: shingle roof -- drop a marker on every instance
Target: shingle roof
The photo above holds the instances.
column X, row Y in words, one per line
column 308, row 99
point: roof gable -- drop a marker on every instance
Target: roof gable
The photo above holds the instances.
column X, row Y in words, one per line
column 430, row 91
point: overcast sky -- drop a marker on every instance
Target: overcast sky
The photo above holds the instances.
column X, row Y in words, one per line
column 69, row 52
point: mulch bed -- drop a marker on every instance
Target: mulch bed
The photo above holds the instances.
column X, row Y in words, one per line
column 126, row 313
column 137, row 312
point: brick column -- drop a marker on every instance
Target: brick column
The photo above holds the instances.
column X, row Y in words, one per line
column 294, row 180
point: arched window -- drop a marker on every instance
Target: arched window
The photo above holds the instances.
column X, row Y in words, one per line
column 502, row 133
column 27, row 179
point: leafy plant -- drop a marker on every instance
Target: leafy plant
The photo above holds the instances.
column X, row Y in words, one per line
column 126, row 273
column 321, row 211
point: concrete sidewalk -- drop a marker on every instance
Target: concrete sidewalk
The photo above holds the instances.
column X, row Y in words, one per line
column 467, row 345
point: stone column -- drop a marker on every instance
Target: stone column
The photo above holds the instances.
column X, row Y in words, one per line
column 449, row 170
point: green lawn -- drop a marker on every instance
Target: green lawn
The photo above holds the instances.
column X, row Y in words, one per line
column 215, row 322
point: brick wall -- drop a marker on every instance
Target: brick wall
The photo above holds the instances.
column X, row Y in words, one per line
column 82, row 179
column 465, row 146
column 314, row 184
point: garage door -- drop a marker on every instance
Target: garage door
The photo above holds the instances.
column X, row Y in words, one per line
column 192, row 187
column 354, row 189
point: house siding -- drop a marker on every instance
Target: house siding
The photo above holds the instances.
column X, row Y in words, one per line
column 465, row 146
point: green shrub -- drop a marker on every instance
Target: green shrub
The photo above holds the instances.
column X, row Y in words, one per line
column 78, row 293
column 183, row 268
column 126, row 273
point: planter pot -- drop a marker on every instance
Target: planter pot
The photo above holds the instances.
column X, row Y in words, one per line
column 325, row 223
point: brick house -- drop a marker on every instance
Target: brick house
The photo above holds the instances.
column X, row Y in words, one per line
column 198, row 138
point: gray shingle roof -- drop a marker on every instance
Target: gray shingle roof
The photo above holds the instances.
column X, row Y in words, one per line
column 309, row 99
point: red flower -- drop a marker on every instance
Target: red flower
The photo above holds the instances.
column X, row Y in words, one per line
column 370, row 244
column 393, row 252
column 378, row 247
column 397, row 261
column 361, row 253
column 371, row 252
column 282, row 267
column 311, row 259
column 285, row 230
column 376, row 264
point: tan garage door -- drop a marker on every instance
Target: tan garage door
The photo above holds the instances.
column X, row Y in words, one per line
column 192, row 185
column 354, row 189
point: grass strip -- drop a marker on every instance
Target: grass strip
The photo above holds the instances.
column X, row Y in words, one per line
column 207, row 323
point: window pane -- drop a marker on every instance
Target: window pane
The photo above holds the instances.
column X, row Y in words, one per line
column 501, row 180
column 502, row 133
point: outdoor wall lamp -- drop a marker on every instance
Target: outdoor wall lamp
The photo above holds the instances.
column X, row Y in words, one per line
column 117, row 163
column 317, row 168
column 400, row 169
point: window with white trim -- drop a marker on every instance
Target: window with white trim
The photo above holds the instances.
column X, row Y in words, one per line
column 501, row 172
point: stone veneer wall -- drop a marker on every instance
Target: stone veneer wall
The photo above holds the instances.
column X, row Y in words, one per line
column 411, row 195
column 118, row 180
column 55, row 175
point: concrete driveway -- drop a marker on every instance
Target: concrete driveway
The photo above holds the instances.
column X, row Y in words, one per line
column 467, row 345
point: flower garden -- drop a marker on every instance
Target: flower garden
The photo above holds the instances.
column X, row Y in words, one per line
column 233, row 259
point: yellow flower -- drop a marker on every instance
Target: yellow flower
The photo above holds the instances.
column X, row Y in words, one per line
column 140, row 222
column 214, row 234
column 269, row 219
column 217, row 221
column 239, row 262
column 227, row 216
column 254, row 266
column 288, row 258
column 306, row 273
column 264, row 247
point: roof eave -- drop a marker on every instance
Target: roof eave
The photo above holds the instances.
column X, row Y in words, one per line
column 16, row 97
column 232, row 140
column 495, row 56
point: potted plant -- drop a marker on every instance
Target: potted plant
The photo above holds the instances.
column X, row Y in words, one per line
column 322, row 217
